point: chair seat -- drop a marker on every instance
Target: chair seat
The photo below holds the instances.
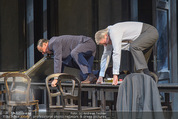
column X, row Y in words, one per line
column 17, row 103
column 55, row 106
column 60, row 106
column 84, row 108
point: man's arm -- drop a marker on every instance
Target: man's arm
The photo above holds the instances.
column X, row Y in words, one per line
column 57, row 49
column 57, row 57
column 104, row 62
column 105, row 59
column 57, row 67
column 116, row 38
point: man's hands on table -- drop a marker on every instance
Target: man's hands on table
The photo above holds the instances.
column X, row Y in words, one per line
column 100, row 80
column 115, row 80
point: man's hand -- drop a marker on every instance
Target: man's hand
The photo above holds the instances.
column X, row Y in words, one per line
column 115, row 80
column 100, row 80
column 53, row 84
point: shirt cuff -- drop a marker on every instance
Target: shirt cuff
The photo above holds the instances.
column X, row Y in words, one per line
column 116, row 72
column 102, row 74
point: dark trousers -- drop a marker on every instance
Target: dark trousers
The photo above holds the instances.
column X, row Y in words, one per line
column 85, row 59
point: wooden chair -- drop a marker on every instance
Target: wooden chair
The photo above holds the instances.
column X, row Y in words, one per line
column 79, row 108
column 18, row 81
column 54, row 93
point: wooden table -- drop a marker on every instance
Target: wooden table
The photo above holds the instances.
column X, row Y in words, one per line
column 93, row 88
column 103, row 88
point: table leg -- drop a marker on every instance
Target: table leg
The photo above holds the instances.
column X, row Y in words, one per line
column 45, row 96
column 103, row 100
column 167, row 101
column 94, row 98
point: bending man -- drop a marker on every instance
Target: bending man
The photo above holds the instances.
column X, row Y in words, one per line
column 72, row 51
column 137, row 37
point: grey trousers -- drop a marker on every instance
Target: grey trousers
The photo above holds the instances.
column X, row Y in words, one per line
column 143, row 45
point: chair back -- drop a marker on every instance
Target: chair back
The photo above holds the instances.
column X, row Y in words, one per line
column 68, row 77
column 17, row 84
column 54, row 94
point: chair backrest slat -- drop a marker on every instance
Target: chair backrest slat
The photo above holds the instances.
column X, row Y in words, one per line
column 65, row 76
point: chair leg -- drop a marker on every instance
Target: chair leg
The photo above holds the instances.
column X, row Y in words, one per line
column 37, row 107
column 71, row 102
column 36, row 110
column 9, row 109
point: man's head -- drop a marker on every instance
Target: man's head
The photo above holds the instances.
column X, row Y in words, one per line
column 42, row 46
column 102, row 37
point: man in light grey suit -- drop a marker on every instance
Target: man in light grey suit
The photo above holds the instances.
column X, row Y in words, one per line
column 72, row 51
column 137, row 37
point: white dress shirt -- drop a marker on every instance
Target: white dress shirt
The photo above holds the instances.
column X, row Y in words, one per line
column 118, row 33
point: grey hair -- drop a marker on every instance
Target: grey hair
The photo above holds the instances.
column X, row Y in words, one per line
column 41, row 41
column 100, row 34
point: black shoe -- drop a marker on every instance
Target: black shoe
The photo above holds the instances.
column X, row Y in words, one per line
column 91, row 79
column 86, row 81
